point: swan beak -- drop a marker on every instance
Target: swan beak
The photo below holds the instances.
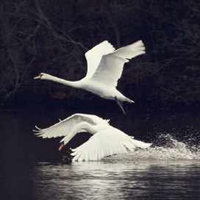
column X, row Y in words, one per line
column 37, row 77
column 61, row 146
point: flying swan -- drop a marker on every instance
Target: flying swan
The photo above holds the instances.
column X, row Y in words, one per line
column 104, row 69
column 106, row 140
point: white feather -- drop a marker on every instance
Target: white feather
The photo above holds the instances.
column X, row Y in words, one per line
column 111, row 65
column 94, row 56
column 66, row 126
column 104, row 69
column 106, row 140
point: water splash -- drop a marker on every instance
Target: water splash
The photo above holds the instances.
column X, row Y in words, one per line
column 165, row 147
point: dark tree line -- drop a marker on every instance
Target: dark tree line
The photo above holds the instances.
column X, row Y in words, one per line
column 52, row 36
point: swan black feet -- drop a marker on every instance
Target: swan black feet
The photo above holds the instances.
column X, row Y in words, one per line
column 66, row 157
column 120, row 105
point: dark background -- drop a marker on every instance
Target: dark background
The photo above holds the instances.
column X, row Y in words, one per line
column 52, row 36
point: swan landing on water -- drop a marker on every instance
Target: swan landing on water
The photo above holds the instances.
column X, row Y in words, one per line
column 104, row 69
column 106, row 140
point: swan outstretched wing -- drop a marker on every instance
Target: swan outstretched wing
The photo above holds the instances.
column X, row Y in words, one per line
column 111, row 65
column 94, row 55
column 65, row 127
column 106, row 143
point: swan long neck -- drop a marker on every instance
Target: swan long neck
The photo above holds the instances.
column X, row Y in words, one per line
column 81, row 127
column 63, row 81
column 85, row 127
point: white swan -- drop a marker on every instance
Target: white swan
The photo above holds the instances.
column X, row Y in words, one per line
column 106, row 139
column 104, row 68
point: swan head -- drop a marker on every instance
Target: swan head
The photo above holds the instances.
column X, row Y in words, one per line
column 78, row 129
column 43, row 76
column 63, row 142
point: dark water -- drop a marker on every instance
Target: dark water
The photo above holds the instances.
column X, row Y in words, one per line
column 31, row 168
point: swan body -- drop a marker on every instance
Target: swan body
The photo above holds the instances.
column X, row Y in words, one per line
column 104, row 69
column 106, row 140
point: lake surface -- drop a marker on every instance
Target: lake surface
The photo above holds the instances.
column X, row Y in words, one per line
column 31, row 167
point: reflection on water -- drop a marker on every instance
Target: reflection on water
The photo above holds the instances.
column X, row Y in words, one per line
column 118, row 180
column 172, row 172
column 169, row 170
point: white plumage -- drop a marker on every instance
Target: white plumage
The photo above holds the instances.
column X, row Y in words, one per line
column 94, row 55
column 106, row 140
column 104, row 69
